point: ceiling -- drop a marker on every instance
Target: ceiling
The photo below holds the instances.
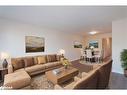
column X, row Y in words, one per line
column 77, row 19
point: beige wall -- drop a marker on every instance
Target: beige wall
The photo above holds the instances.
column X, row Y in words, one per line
column 12, row 39
column 97, row 37
column 119, row 42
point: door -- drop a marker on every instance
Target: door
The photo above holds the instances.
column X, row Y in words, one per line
column 107, row 47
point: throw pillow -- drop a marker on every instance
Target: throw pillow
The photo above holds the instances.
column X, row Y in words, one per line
column 58, row 57
column 51, row 58
column 29, row 61
column 41, row 59
column 17, row 63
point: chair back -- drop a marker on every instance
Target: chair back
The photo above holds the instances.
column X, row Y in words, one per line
column 98, row 53
column 89, row 53
column 104, row 75
column 88, row 82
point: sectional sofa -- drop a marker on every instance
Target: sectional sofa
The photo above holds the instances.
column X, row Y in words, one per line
column 97, row 78
column 21, row 69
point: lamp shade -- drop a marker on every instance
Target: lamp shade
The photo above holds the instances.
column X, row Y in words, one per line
column 62, row 51
column 92, row 47
column 4, row 55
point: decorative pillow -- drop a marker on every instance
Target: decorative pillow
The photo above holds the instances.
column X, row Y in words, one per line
column 58, row 57
column 35, row 60
column 17, row 63
column 41, row 59
column 29, row 61
column 51, row 58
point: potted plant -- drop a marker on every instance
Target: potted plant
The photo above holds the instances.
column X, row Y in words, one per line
column 124, row 61
column 65, row 62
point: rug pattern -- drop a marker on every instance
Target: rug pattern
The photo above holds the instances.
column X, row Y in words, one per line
column 40, row 82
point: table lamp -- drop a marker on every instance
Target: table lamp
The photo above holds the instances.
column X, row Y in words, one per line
column 4, row 57
column 62, row 52
column 92, row 47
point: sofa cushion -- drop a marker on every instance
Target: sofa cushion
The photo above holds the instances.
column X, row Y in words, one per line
column 17, row 80
column 52, row 64
column 52, row 58
column 34, row 68
column 19, row 70
column 70, row 86
column 17, row 63
column 41, row 59
column 29, row 61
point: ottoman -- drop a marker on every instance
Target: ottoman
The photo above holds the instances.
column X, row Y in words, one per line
column 17, row 80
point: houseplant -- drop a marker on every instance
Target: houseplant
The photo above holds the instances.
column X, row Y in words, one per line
column 65, row 62
column 124, row 61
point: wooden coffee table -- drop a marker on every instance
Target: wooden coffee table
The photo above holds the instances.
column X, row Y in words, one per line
column 62, row 76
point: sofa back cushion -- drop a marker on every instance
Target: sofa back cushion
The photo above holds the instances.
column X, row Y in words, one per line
column 17, row 63
column 52, row 58
column 58, row 57
column 29, row 61
column 41, row 59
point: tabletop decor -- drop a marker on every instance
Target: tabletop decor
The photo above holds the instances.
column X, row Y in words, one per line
column 4, row 56
column 62, row 53
column 65, row 62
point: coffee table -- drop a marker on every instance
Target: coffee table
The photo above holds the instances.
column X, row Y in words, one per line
column 62, row 76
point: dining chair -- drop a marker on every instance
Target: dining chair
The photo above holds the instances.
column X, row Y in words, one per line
column 89, row 55
column 98, row 56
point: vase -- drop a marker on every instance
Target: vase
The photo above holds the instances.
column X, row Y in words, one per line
column 65, row 66
column 5, row 63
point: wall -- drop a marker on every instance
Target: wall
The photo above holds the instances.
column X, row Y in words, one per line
column 119, row 35
column 12, row 39
column 97, row 37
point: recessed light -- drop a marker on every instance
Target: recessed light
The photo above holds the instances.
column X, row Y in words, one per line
column 93, row 32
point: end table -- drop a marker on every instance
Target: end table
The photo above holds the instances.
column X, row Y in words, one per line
column 3, row 71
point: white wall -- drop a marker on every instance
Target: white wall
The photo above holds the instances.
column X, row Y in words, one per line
column 97, row 37
column 12, row 39
column 119, row 42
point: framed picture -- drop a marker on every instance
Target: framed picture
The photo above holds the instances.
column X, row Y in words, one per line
column 34, row 44
column 93, row 43
column 77, row 44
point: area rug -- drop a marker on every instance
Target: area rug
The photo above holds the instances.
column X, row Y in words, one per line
column 40, row 82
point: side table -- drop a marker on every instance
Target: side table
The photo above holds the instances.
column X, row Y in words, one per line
column 3, row 71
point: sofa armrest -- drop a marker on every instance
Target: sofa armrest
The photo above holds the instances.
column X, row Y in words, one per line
column 96, row 66
column 58, row 87
column 10, row 69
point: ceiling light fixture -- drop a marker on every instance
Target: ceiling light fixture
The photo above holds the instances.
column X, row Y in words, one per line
column 93, row 32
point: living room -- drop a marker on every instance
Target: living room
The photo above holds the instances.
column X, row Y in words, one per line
column 58, row 30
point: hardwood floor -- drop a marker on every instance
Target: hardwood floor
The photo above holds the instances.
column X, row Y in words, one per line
column 117, row 81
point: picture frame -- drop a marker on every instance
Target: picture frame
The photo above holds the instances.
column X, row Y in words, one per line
column 94, row 43
column 77, row 44
column 34, row 44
